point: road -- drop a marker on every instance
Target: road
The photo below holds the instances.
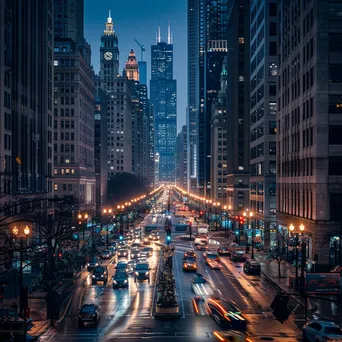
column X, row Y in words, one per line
column 128, row 314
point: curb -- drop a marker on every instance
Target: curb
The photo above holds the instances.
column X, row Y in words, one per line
column 67, row 307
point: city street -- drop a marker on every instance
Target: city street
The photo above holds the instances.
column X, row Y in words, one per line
column 129, row 314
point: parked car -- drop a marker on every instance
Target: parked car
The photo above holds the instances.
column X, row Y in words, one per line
column 142, row 272
column 93, row 263
column 100, row 273
column 252, row 266
column 89, row 313
column 120, row 279
column 316, row 331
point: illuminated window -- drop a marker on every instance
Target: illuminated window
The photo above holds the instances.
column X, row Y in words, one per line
column 55, row 171
column 55, row 187
column 55, row 63
column 241, row 40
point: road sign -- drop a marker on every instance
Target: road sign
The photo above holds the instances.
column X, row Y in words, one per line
column 323, row 283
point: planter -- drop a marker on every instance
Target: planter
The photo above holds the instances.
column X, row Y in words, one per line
column 167, row 312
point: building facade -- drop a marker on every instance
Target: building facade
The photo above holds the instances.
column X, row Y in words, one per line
column 218, row 167
column 238, row 102
column 181, row 158
column 74, row 89
column 309, row 124
column 192, row 108
column 163, row 95
column 101, row 148
column 263, row 109
column 26, row 99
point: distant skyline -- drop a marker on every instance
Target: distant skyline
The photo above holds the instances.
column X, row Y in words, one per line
column 139, row 20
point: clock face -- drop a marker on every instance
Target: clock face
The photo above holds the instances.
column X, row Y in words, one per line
column 108, row 56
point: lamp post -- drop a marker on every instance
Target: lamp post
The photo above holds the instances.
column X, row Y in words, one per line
column 82, row 221
column 249, row 216
column 292, row 229
column 107, row 213
column 22, row 231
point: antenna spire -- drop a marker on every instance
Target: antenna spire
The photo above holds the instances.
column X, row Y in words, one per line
column 109, row 19
column 158, row 35
column 169, row 38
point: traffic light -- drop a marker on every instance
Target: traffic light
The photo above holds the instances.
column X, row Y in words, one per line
column 75, row 237
column 168, row 236
column 280, row 310
column 241, row 220
column 121, row 233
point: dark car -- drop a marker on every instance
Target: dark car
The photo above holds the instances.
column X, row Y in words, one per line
column 142, row 272
column 135, row 253
column 154, row 236
column 106, row 254
column 223, row 250
column 89, row 313
column 100, row 274
column 122, row 253
column 122, row 265
column 252, row 266
column 227, row 314
column 120, row 279
column 148, row 251
column 93, row 263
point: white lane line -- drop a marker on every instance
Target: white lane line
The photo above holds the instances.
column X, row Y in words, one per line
column 219, row 292
column 180, row 290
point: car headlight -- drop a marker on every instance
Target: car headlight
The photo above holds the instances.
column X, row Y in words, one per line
column 88, row 264
column 115, row 282
column 96, row 264
column 125, row 281
column 94, row 276
column 101, row 275
column 136, row 273
column 146, row 273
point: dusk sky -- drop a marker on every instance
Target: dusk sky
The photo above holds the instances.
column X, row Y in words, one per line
column 139, row 19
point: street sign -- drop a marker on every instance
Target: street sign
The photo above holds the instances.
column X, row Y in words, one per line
column 323, row 283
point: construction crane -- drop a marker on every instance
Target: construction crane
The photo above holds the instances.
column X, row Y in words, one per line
column 142, row 49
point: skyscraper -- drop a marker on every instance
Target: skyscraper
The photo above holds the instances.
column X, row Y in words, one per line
column 131, row 67
column 109, row 56
column 74, row 171
column 163, row 94
column 263, row 108
column 309, row 139
column 181, row 158
column 119, row 91
column 26, row 99
column 238, row 101
column 207, row 47
column 193, row 93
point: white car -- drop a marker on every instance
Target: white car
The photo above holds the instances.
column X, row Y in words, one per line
column 316, row 331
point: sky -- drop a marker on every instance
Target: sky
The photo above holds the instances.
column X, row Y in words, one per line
column 139, row 19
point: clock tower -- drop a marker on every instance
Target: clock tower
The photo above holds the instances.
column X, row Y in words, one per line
column 109, row 56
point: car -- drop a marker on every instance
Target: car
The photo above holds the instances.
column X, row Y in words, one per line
column 121, row 265
column 208, row 256
column 89, row 313
column 189, row 264
column 120, row 279
column 122, row 252
column 112, row 250
column 223, row 250
column 213, row 264
column 201, row 287
column 189, row 253
column 146, row 241
column 135, row 253
column 106, row 254
column 100, row 273
column 142, row 271
column 252, row 266
column 232, row 335
column 136, row 245
column 121, row 244
column 131, row 266
column 318, row 330
column 238, row 253
column 227, row 314
column 93, row 263
column 148, row 251
column 154, row 236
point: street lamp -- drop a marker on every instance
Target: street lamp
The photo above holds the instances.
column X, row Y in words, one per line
column 22, row 231
column 249, row 216
column 82, row 221
column 292, row 229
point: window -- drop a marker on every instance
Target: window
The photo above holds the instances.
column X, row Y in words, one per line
column 273, row 108
column 335, row 42
column 335, row 166
column 273, row 70
column 272, row 167
column 69, row 187
column 273, row 89
column 272, row 208
column 273, row 48
column 335, row 73
column 273, row 29
column 335, row 104
column 272, row 127
column 335, row 136
column 55, row 186
column 272, row 148
column 272, row 189
column 55, row 63
column 273, row 9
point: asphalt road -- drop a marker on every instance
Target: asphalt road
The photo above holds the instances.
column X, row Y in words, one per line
column 128, row 314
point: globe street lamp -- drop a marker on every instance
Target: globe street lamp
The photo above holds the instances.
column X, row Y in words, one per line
column 301, row 229
column 22, row 231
